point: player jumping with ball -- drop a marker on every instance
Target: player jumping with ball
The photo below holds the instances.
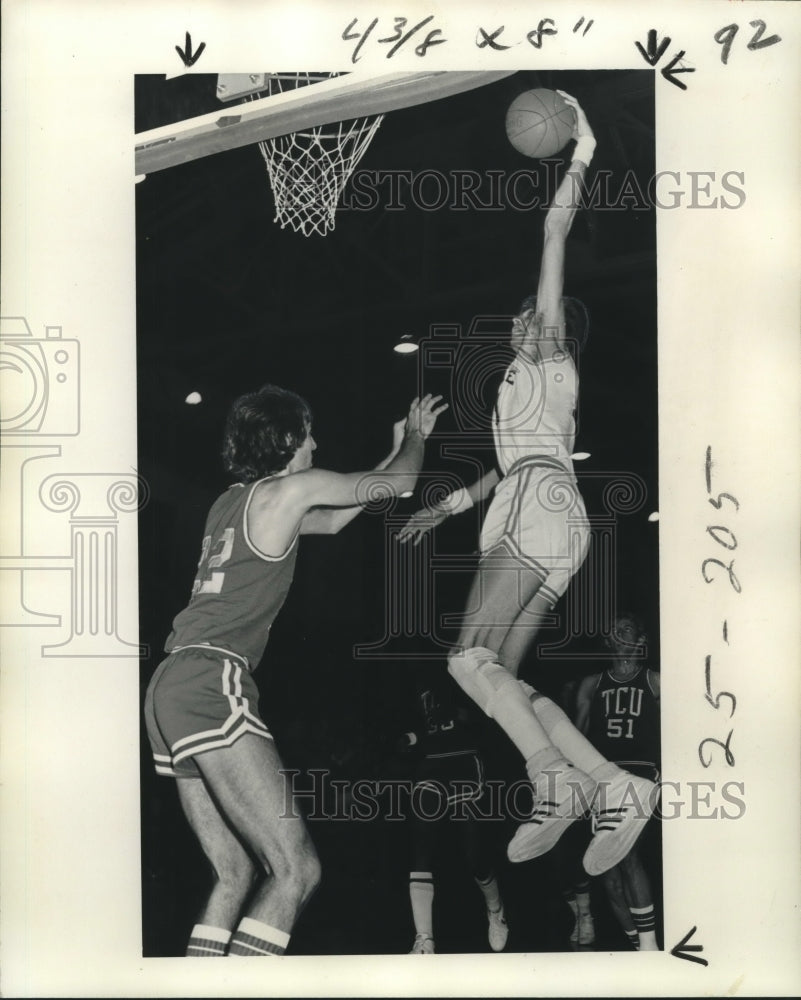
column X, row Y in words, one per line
column 534, row 538
column 201, row 705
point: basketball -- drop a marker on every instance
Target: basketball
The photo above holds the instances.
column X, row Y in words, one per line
column 539, row 123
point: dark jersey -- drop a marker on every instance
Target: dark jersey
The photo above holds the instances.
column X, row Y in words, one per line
column 449, row 762
column 624, row 719
column 441, row 731
column 238, row 590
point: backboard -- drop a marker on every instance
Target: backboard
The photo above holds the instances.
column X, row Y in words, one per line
column 340, row 98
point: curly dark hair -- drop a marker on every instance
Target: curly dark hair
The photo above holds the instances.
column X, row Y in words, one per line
column 263, row 431
column 631, row 616
column 577, row 319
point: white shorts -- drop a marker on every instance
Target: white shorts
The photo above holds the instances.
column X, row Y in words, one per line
column 537, row 517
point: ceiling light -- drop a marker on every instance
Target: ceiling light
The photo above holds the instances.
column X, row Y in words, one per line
column 405, row 345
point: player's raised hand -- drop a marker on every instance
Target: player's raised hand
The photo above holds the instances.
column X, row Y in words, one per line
column 420, row 523
column 423, row 414
column 582, row 126
column 398, row 432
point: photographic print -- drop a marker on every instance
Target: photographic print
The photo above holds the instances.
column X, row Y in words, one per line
column 391, row 533
column 446, row 222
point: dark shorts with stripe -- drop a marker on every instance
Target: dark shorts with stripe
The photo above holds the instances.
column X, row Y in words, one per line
column 445, row 779
column 200, row 698
column 641, row 768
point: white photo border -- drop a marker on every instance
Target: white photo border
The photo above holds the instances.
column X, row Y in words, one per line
column 729, row 381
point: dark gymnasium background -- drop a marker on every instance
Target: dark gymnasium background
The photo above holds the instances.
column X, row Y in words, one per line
column 226, row 301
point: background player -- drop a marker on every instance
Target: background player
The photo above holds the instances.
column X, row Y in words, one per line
column 449, row 772
column 201, row 704
column 619, row 711
column 534, row 537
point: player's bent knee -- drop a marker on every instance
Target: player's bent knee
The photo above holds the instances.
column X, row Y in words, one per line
column 306, row 876
column 477, row 672
column 463, row 666
column 298, row 878
column 238, row 879
column 529, row 691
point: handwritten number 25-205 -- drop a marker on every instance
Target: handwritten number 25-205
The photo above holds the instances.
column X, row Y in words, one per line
column 714, row 701
column 723, row 535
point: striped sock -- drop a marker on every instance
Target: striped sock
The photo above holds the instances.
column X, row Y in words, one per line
column 645, row 922
column 206, row 941
column 583, row 897
column 253, row 938
column 491, row 892
column 421, row 894
column 634, row 939
column 571, row 902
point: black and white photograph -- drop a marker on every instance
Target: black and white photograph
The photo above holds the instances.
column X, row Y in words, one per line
column 397, row 533
column 473, row 227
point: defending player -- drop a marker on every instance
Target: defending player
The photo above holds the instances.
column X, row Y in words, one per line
column 201, row 704
column 618, row 710
column 534, row 537
column 449, row 773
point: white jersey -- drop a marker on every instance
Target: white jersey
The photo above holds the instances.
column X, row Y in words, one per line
column 535, row 410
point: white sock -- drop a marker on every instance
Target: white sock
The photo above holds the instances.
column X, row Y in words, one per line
column 513, row 712
column 556, row 780
column 206, row 941
column 491, row 893
column 421, row 893
column 564, row 735
column 645, row 922
column 254, row 938
column 634, row 938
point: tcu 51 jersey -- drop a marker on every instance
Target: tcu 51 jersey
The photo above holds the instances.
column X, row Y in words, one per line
column 624, row 719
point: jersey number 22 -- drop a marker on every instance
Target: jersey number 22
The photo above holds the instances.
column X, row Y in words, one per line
column 210, row 578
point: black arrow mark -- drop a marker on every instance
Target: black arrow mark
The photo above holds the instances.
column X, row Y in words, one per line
column 655, row 52
column 670, row 71
column 188, row 58
column 682, row 949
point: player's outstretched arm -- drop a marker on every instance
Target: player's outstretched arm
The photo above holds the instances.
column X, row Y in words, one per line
column 321, row 488
column 584, row 702
column 460, row 500
column 330, row 520
column 280, row 505
column 558, row 221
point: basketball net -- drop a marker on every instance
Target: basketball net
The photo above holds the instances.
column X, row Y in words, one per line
column 308, row 170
